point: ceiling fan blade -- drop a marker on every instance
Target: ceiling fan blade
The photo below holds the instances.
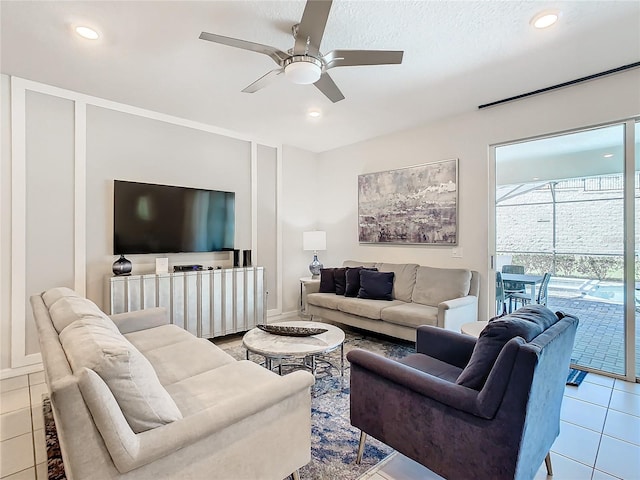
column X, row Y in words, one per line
column 311, row 28
column 329, row 88
column 352, row 58
column 276, row 55
column 263, row 81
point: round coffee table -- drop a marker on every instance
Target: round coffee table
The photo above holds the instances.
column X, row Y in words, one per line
column 473, row 328
column 310, row 349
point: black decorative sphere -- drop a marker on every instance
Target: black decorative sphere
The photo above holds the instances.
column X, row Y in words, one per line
column 122, row 266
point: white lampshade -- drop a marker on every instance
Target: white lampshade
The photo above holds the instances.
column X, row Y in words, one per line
column 314, row 240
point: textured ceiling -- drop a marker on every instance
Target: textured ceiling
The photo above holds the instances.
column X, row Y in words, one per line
column 458, row 55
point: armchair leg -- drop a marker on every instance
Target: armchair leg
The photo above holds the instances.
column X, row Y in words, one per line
column 363, row 438
column 547, row 463
column 295, row 475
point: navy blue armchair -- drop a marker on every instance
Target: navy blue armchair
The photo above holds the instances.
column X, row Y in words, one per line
column 490, row 411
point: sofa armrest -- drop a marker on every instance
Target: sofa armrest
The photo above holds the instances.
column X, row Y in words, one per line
column 453, row 313
column 140, row 319
column 450, row 347
column 448, row 393
column 311, row 286
column 129, row 450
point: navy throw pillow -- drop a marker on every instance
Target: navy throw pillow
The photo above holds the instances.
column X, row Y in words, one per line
column 327, row 284
column 376, row 285
column 340, row 279
column 527, row 323
column 352, row 286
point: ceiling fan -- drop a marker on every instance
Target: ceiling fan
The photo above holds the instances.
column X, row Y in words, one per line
column 304, row 64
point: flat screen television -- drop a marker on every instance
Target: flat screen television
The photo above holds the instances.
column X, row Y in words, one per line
column 150, row 218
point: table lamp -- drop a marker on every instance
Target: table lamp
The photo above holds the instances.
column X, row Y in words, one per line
column 314, row 241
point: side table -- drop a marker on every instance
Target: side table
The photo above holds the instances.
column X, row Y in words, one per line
column 304, row 281
column 473, row 328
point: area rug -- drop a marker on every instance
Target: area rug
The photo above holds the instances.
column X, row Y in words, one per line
column 334, row 442
column 575, row 377
column 55, row 466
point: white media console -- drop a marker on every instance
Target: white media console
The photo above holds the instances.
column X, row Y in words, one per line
column 207, row 303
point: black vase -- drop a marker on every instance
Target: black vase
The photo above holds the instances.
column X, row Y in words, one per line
column 122, row 266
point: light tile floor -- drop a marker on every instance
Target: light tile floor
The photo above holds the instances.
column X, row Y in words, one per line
column 599, row 434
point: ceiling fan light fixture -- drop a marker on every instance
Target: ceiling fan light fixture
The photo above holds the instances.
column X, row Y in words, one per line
column 303, row 70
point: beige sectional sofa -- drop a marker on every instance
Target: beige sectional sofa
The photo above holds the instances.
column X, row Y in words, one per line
column 443, row 297
column 136, row 398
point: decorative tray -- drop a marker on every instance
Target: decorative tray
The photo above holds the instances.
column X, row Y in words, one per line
column 292, row 331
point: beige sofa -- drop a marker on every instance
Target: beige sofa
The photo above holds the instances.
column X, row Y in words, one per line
column 136, row 398
column 443, row 297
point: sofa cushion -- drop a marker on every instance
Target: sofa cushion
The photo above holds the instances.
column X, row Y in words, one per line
column 411, row 315
column 340, row 279
column 327, row 282
column 527, row 323
column 437, row 285
column 181, row 360
column 68, row 309
column 405, row 278
column 52, row 295
column 152, row 338
column 355, row 263
column 376, row 285
column 353, row 280
column 324, row 300
column 89, row 343
column 232, row 383
column 365, row 308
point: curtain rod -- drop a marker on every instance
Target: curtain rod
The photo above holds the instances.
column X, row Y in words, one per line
column 565, row 84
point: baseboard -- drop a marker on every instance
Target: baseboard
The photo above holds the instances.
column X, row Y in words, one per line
column 284, row 317
column 16, row 372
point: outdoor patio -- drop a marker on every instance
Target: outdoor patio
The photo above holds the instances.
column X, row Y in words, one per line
column 600, row 339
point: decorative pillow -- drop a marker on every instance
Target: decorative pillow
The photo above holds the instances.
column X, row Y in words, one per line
column 352, row 286
column 528, row 323
column 340, row 279
column 376, row 285
column 89, row 343
column 327, row 284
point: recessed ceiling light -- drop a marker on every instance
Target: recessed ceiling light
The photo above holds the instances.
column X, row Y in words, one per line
column 536, row 178
column 608, row 155
column 545, row 19
column 314, row 113
column 86, row 32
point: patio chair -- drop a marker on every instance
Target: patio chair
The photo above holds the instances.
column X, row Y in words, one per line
column 466, row 408
column 501, row 304
column 511, row 287
column 543, row 294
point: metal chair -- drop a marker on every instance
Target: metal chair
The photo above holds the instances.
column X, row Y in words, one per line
column 501, row 303
column 542, row 296
column 511, row 287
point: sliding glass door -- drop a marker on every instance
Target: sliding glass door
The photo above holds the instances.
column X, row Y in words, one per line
column 564, row 205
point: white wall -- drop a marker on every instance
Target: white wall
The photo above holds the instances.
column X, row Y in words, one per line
column 302, row 192
column 76, row 146
column 129, row 147
column 468, row 138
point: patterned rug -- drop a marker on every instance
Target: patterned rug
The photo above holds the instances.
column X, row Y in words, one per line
column 334, row 442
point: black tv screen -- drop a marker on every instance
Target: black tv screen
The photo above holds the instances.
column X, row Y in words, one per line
column 149, row 218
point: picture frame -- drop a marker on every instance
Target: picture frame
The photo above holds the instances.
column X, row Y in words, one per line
column 416, row 205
